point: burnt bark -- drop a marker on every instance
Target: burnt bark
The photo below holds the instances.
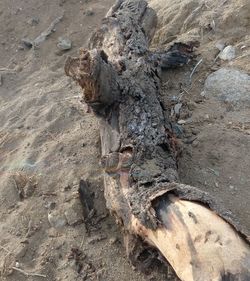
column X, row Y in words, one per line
column 120, row 78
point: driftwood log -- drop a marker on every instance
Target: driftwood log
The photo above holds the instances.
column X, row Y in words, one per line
column 120, row 78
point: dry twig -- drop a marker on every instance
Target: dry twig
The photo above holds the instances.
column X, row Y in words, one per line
column 6, row 250
column 29, row 273
column 194, row 69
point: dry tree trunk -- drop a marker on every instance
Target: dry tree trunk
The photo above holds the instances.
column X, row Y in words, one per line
column 120, row 78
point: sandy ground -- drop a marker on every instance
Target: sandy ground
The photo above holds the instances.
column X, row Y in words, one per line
column 216, row 139
column 49, row 141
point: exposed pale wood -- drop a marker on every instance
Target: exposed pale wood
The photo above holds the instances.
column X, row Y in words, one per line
column 197, row 242
column 120, row 78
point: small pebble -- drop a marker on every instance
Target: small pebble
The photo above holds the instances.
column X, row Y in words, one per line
column 220, row 45
column 195, row 143
column 64, row 44
column 177, row 108
column 73, row 213
column 57, row 219
column 89, row 12
column 27, row 43
column 227, row 53
column 178, row 130
column 174, row 99
column 113, row 240
column 18, row 68
column 181, row 122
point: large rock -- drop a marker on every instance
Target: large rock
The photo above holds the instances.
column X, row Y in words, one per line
column 229, row 85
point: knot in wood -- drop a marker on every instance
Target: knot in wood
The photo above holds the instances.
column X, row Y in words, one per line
column 117, row 162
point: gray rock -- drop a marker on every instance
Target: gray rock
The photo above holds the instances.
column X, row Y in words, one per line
column 73, row 213
column 177, row 130
column 18, row 68
column 64, row 44
column 174, row 99
column 229, row 85
column 89, row 12
column 27, row 43
column 195, row 143
column 220, row 45
column 57, row 219
column 227, row 53
column 181, row 122
column 177, row 108
column 186, row 121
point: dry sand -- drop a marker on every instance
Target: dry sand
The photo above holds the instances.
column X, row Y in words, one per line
column 49, row 141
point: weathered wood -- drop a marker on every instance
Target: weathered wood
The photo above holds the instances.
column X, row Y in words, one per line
column 120, row 78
